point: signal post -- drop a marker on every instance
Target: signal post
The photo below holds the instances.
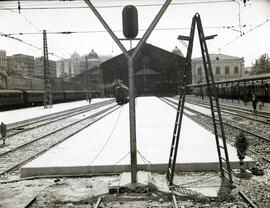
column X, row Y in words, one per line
column 130, row 29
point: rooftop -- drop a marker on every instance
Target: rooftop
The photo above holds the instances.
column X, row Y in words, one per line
column 218, row 57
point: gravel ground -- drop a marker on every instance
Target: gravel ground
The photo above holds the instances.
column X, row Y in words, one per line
column 84, row 192
column 27, row 152
column 27, row 136
column 256, row 188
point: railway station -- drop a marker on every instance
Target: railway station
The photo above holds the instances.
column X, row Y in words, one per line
column 146, row 126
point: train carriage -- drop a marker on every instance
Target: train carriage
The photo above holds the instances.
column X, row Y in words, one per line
column 242, row 88
column 58, row 96
column 34, row 97
column 74, row 95
column 9, row 98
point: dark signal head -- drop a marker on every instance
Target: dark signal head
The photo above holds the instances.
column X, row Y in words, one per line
column 130, row 22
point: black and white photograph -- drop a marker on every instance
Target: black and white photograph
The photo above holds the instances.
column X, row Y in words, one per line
column 134, row 103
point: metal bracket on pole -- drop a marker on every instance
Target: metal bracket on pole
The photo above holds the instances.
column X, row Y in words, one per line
column 210, row 37
column 130, row 59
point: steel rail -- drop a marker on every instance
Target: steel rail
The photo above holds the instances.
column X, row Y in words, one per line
column 67, row 113
column 234, row 108
column 227, row 112
column 16, row 166
column 246, row 131
column 31, row 202
column 245, row 197
column 174, row 201
column 248, row 200
column 210, row 129
column 34, row 140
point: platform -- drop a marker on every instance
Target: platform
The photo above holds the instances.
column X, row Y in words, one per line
column 17, row 115
column 104, row 146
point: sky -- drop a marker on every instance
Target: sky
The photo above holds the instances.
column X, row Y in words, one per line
column 221, row 17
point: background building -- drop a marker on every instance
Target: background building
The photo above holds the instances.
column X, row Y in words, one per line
column 16, row 69
column 39, row 68
column 177, row 51
column 28, row 61
column 76, row 64
column 3, row 60
column 224, row 67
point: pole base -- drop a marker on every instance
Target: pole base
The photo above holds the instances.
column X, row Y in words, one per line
column 242, row 174
column 124, row 184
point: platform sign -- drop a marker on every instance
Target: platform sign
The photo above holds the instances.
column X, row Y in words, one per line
column 241, row 145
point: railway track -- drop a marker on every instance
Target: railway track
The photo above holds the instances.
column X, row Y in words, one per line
column 247, row 113
column 240, row 120
column 40, row 127
column 259, row 145
column 25, row 125
column 23, row 153
column 230, row 139
column 234, row 123
column 124, row 200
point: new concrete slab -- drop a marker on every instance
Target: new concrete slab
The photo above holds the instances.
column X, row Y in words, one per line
column 104, row 146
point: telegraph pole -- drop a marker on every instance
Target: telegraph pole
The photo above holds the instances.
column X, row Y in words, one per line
column 87, row 82
column 47, row 74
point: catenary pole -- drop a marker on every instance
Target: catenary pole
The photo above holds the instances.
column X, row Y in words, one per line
column 130, row 59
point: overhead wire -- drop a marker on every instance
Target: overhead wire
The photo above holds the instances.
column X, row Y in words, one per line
column 122, row 158
column 30, row 44
column 120, row 6
column 116, row 31
column 109, row 137
column 250, row 30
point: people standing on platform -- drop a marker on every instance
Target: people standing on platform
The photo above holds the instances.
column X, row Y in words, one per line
column 254, row 102
column 245, row 99
column 259, row 104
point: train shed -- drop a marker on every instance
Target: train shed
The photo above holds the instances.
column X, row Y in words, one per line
column 156, row 70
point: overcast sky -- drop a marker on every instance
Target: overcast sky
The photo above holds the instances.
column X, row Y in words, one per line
column 216, row 16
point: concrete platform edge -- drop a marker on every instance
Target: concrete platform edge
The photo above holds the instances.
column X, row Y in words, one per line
column 75, row 170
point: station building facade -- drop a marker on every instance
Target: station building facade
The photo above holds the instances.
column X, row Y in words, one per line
column 224, row 67
column 156, row 71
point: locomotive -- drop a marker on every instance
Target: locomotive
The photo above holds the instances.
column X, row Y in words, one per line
column 121, row 94
column 21, row 98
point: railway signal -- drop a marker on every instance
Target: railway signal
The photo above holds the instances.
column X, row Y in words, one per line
column 242, row 144
column 130, row 22
column 130, row 59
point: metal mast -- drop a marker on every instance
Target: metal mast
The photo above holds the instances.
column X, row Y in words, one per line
column 47, row 74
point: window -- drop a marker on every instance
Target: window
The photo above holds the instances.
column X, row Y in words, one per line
column 236, row 70
column 199, row 71
column 227, row 70
column 217, row 70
